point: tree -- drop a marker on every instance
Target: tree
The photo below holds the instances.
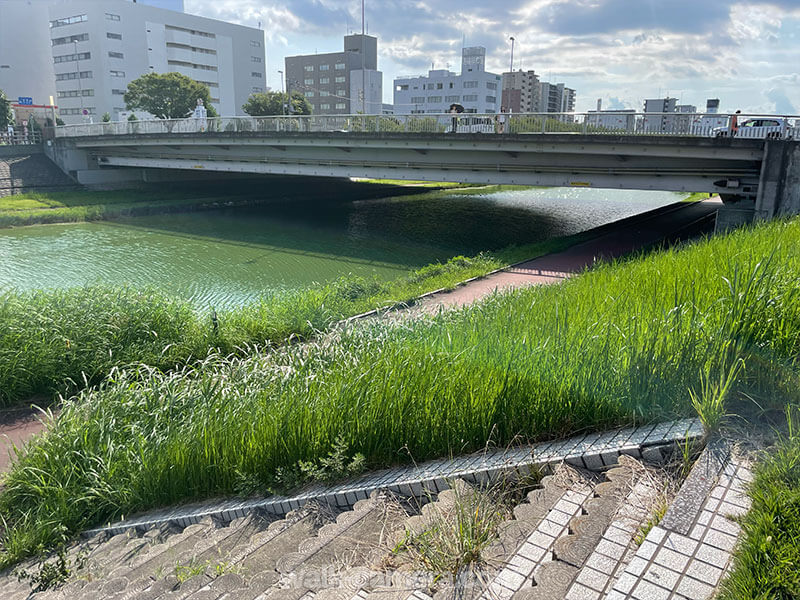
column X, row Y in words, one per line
column 167, row 95
column 271, row 103
column 6, row 116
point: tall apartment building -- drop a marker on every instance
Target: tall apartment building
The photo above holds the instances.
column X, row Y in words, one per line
column 342, row 83
column 85, row 52
column 476, row 89
column 556, row 98
column 614, row 119
column 522, row 92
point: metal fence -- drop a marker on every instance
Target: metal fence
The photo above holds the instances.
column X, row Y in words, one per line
column 604, row 123
column 19, row 138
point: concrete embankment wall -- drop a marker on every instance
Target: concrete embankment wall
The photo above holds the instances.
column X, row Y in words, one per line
column 28, row 169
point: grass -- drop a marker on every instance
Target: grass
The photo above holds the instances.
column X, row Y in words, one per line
column 621, row 344
column 766, row 561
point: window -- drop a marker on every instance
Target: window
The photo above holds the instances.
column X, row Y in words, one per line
column 81, row 37
column 339, row 66
column 117, row 73
column 112, row 17
column 340, row 92
column 191, row 65
column 257, row 90
column 72, row 57
column 470, row 84
column 190, row 31
column 114, row 36
column 73, row 75
column 308, row 81
column 255, row 74
column 324, row 93
column 452, row 98
column 491, row 86
column 342, row 79
column 429, row 86
column 115, row 55
column 255, row 44
column 341, row 106
column 309, row 94
column 68, row 21
column 450, row 85
column 324, row 79
column 439, row 86
column 90, row 110
column 309, row 68
column 118, row 92
column 471, row 98
column 399, row 88
column 75, row 93
column 255, row 59
column 434, row 99
column 417, row 99
column 324, row 67
column 491, row 99
column 325, row 106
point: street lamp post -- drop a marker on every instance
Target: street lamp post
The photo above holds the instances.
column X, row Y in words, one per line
column 283, row 91
column 511, row 68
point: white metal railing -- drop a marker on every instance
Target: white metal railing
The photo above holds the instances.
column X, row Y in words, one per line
column 605, row 123
column 20, row 138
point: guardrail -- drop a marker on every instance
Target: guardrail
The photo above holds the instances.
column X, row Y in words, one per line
column 604, row 123
column 20, row 138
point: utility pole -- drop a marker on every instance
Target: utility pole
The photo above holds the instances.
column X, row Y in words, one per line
column 283, row 91
column 511, row 68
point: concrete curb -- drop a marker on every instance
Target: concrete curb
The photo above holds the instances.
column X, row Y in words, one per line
column 593, row 451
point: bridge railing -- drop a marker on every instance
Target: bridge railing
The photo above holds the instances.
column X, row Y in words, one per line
column 21, row 138
column 591, row 123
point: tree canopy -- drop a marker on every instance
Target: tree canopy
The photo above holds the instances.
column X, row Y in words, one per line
column 6, row 116
column 271, row 103
column 167, row 95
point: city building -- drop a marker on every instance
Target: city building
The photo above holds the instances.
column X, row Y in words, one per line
column 522, row 92
column 476, row 89
column 83, row 53
column 341, row 83
column 682, row 121
column 556, row 98
column 709, row 121
column 614, row 119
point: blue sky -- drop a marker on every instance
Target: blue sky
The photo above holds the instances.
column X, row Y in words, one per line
column 745, row 53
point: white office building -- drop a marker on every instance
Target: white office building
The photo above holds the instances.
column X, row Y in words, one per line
column 476, row 89
column 612, row 120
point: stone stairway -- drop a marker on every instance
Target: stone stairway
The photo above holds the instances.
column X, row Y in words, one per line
column 575, row 533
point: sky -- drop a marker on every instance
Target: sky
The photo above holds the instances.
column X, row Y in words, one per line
column 747, row 54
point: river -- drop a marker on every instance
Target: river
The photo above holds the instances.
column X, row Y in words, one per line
column 227, row 257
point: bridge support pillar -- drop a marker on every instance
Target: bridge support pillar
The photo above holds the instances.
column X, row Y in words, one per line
column 779, row 184
column 731, row 216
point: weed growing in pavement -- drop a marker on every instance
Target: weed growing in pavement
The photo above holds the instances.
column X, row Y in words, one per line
column 52, row 571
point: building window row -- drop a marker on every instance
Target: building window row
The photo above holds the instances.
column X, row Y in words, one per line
column 471, row 98
column 491, row 86
column 324, row 93
column 340, row 79
column 189, row 65
column 211, row 84
column 308, row 81
column 308, row 68
column 117, row 92
column 117, row 73
column 114, row 36
column 417, row 99
column 190, row 31
column 69, row 21
column 255, row 44
column 112, row 17
column 434, row 99
column 401, row 88
column 257, row 90
column 90, row 110
column 324, row 67
column 256, row 74
column 324, row 80
column 255, row 59
column 191, row 48
column 80, row 37
column 470, row 84
column 339, row 66
column 452, row 98
column 309, row 94
column 491, row 99
column 73, row 75
column 72, row 57
column 341, row 106
column 325, row 106
column 116, row 55
column 74, row 93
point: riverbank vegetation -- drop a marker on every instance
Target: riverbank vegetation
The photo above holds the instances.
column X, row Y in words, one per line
column 621, row 344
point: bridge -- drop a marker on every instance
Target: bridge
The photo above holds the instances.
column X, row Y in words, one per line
column 757, row 171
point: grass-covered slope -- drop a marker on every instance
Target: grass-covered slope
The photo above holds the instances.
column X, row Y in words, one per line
column 620, row 344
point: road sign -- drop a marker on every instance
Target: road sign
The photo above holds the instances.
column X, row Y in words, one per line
column 85, row 111
column 24, row 123
column 25, row 101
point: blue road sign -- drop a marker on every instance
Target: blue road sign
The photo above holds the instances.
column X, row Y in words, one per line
column 24, row 101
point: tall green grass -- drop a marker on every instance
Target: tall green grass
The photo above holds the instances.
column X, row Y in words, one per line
column 621, row 344
column 57, row 341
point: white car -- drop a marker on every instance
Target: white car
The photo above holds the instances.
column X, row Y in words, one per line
column 759, row 128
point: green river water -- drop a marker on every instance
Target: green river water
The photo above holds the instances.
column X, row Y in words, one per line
column 224, row 258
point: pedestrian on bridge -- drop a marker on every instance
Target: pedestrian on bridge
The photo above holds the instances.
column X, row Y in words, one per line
column 735, row 123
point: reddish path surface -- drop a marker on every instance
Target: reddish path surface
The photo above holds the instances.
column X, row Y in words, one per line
column 17, row 426
column 552, row 268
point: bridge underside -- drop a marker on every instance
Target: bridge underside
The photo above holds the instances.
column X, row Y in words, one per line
column 687, row 164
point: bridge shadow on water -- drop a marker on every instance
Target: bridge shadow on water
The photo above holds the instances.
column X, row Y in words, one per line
column 361, row 222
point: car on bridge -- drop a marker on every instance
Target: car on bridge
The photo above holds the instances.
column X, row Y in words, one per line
column 759, row 128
